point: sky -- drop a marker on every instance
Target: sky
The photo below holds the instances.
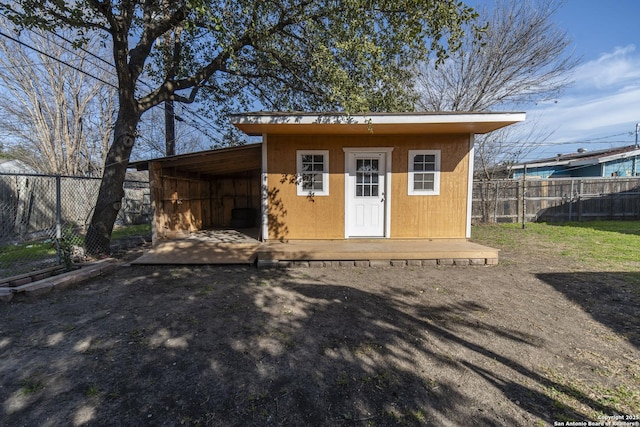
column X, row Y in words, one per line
column 602, row 107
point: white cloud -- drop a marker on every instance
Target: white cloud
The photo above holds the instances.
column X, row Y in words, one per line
column 605, row 99
column 610, row 69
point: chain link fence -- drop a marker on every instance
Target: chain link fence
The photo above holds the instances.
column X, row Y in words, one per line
column 44, row 218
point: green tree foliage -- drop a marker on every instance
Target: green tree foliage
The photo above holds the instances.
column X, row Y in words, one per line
column 351, row 55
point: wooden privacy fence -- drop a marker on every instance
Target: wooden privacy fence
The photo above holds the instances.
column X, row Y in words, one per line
column 563, row 199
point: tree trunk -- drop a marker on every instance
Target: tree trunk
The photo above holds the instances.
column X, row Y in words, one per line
column 98, row 239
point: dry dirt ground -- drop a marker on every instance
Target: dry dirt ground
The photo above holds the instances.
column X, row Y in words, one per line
column 533, row 341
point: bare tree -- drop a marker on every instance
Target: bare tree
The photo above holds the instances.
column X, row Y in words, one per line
column 54, row 117
column 518, row 57
column 495, row 154
column 188, row 136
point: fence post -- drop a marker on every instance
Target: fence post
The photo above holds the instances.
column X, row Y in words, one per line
column 495, row 201
column 58, row 218
column 580, row 191
column 571, row 201
column 524, row 198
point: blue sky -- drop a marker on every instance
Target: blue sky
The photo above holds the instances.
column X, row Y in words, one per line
column 602, row 107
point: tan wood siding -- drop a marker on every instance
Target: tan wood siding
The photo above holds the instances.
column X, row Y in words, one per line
column 184, row 202
column 298, row 217
column 322, row 217
column 441, row 216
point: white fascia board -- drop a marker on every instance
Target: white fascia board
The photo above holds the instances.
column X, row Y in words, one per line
column 540, row 165
column 378, row 119
column 605, row 159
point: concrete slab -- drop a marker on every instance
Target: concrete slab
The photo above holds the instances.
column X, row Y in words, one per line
column 204, row 247
column 195, row 252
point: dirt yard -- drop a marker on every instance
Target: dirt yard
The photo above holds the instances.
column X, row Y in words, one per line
column 533, row 341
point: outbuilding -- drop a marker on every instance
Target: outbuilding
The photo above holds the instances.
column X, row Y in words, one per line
column 321, row 179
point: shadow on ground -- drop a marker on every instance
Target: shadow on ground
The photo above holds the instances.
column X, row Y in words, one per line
column 611, row 298
column 232, row 346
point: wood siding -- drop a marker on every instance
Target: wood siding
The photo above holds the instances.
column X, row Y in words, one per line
column 185, row 202
column 322, row 217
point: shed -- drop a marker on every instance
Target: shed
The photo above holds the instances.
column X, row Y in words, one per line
column 331, row 177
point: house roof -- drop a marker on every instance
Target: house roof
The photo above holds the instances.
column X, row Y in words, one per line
column 583, row 158
column 221, row 161
column 15, row 166
column 255, row 124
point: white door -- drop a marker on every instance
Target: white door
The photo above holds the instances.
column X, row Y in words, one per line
column 366, row 194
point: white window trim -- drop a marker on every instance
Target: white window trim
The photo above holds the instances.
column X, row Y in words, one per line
column 325, row 172
column 411, row 172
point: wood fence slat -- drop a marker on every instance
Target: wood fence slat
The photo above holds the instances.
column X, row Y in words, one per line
column 563, row 199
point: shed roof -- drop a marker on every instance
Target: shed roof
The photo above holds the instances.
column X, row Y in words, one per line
column 254, row 124
column 221, row 161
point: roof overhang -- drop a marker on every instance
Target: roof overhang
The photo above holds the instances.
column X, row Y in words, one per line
column 255, row 124
column 221, row 161
column 603, row 159
column 589, row 159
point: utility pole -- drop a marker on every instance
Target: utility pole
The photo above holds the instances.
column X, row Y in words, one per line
column 172, row 47
column 169, row 128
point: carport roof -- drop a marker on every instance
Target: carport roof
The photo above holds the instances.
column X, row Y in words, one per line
column 222, row 161
column 378, row 123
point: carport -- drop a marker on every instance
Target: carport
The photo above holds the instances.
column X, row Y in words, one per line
column 206, row 206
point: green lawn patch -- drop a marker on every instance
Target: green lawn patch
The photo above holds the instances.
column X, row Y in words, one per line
column 612, row 245
column 131, row 230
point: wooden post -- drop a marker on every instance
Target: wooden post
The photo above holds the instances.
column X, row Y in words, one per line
column 156, row 196
column 524, row 198
column 580, row 191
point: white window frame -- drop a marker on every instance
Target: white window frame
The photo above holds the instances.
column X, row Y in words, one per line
column 436, row 173
column 325, row 172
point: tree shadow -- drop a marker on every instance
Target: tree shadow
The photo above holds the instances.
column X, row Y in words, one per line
column 232, row 346
column 611, row 298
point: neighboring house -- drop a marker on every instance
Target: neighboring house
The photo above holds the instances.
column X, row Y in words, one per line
column 330, row 177
column 612, row 162
column 15, row 166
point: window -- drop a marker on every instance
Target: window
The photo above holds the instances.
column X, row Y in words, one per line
column 313, row 173
column 424, row 172
column 367, row 177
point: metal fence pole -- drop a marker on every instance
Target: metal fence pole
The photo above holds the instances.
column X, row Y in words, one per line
column 59, row 218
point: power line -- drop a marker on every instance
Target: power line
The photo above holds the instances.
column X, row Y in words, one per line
column 191, row 123
column 20, row 42
column 73, row 52
column 88, row 52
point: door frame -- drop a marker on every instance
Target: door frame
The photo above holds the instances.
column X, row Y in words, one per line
column 387, row 185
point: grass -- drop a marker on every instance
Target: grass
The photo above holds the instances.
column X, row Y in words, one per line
column 26, row 257
column 572, row 393
column 131, row 230
column 11, row 254
column 613, row 245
